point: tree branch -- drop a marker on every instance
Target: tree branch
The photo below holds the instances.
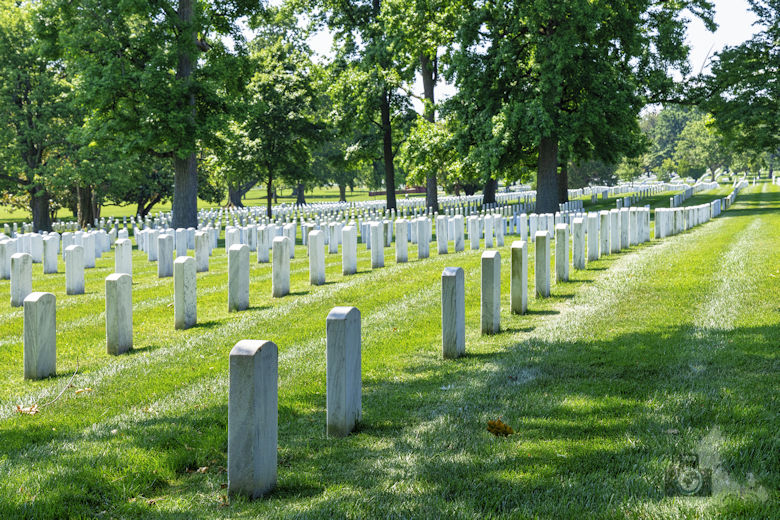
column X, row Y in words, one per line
column 16, row 180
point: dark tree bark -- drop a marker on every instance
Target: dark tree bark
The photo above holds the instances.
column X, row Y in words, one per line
column 185, row 179
column 489, row 191
column 300, row 195
column 427, row 69
column 563, row 182
column 470, row 189
column 86, row 211
column 547, row 176
column 269, row 193
column 144, row 206
column 342, row 193
column 387, row 149
column 39, row 205
column 236, row 193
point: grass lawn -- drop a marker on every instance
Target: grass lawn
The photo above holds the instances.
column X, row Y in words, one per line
column 255, row 197
column 662, row 350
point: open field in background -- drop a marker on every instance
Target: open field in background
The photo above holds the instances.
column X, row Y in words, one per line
column 256, row 197
column 664, row 349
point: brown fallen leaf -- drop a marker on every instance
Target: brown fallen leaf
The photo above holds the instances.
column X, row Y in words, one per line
column 29, row 410
column 81, row 390
column 202, row 469
column 499, row 429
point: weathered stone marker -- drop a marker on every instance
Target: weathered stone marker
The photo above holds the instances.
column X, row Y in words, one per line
column 123, row 256
column 343, row 370
column 423, row 245
column 460, row 242
column 561, row 253
column 316, row 258
column 280, row 276
column 51, row 245
column 21, row 278
column 453, row 312
column 119, row 313
column 473, row 224
column 74, row 270
column 518, row 285
column 40, row 334
column 348, row 250
column 488, row 223
column 491, row 292
column 578, row 243
column 542, row 264
column 377, row 246
column 442, row 234
column 181, row 242
column 606, row 249
column 253, row 418
column 614, row 231
column 89, row 250
column 593, row 237
column 401, row 241
column 238, row 278
column 185, row 293
column 202, row 250
column 625, row 224
column 7, row 248
column 164, row 256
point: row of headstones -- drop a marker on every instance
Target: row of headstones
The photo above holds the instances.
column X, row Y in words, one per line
column 45, row 247
column 40, row 308
column 253, row 394
column 261, row 239
column 40, row 325
column 671, row 221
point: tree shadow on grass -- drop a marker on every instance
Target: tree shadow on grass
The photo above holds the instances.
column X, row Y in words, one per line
column 590, row 438
column 210, row 324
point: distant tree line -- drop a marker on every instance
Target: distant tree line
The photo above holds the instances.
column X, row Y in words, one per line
column 138, row 102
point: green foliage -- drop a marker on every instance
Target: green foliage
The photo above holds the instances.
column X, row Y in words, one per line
column 701, row 146
column 429, row 149
column 743, row 91
column 35, row 109
column 275, row 123
column 573, row 73
column 663, row 129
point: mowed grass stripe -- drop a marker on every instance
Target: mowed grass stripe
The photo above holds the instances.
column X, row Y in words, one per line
column 422, row 449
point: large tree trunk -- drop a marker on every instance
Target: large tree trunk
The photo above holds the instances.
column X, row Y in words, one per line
column 429, row 113
column 547, row 176
column 185, row 192
column 269, row 193
column 145, row 206
column 342, row 193
column 563, row 182
column 39, row 205
column 489, row 191
column 86, row 206
column 185, row 179
column 387, row 149
column 300, row 198
column 236, row 193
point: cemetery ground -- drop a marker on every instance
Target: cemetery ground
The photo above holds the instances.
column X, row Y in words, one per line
column 255, row 197
column 663, row 350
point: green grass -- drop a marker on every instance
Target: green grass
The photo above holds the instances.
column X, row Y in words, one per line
column 633, row 363
column 255, row 197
